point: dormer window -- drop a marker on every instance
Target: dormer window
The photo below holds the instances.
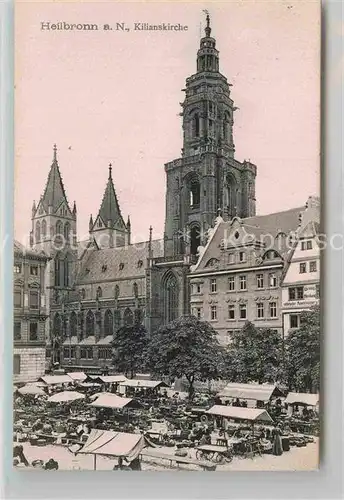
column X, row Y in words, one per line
column 87, row 271
column 140, row 263
column 121, row 266
column 104, row 268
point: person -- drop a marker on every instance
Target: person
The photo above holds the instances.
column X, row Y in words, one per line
column 277, row 442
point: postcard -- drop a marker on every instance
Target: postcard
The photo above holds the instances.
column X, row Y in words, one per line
column 166, row 275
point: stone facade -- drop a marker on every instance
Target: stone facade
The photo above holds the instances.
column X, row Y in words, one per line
column 30, row 314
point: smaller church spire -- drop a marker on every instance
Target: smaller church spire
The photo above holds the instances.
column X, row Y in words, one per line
column 34, row 208
column 74, row 208
column 110, row 170
column 90, row 224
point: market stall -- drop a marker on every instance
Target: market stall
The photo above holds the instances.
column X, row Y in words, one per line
column 77, row 376
column 114, row 444
column 256, row 395
column 65, row 397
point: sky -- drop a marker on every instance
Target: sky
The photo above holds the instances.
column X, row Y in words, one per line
column 113, row 96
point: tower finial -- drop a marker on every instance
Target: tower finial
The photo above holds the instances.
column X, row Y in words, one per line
column 55, row 152
column 207, row 28
column 150, row 250
column 110, row 170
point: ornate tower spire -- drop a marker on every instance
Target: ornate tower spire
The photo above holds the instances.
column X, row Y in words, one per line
column 150, row 248
column 207, row 55
column 207, row 28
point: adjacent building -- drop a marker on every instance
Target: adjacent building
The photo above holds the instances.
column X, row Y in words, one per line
column 30, row 314
column 247, row 266
column 301, row 279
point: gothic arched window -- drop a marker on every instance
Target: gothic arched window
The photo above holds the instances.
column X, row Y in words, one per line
column 57, row 325
column 44, row 228
column 66, row 231
column 230, row 195
column 195, row 239
column 99, row 293
column 58, row 227
column 73, row 325
column 170, row 293
column 195, row 192
column 128, row 317
column 117, row 319
column 89, row 324
column 38, row 232
column 225, row 126
column 196, row 128
column 66, row 269
column 108, row 323
column 57, row 271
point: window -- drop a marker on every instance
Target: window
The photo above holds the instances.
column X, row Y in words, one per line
column 196, row 125
column 294, row 321
column 140, row 263
column 313, row 266
column 90, row 324
column 213, row 285
column 34, row 270
column 273, row 309
column 33, row 331
column 260, row 310
column 303, row 268
column 17, row 298
column 83, row 293
column 306, row 245
column 231, row 258
column 213, row 313
column 128, row 317
column 198, row 312
column 231, row 283
column 86, row 353
column 243, row 311
column 44, row 228
column 195, row 193
column 242, row 257
column 16, row 364
column 296, row 293
column 121, row 266
column 272, row 280
column 66, row 352
column 317, row 291
column 260, row 281
column 33, row 300
column 83, row 354
column 17, row 268
column 135, row 290
column 17, row 330
column 242, row 281
column 73, row 352
column 116, row 292
column 108, row 323
column 66, row 231
column 231, row 311
column 198, row 288
column 99, row 293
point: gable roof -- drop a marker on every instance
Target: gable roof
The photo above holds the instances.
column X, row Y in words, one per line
column 263, row 228
column 54, row 193
column 122, row 262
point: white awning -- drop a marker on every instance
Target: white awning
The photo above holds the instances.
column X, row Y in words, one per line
column 77, row 376
column 302, row 398
column 258, row 392
column 251, row 414
column 109, row 400
column 65, row 397
column 32, row 389
column 144, row 384
column 115, row 444
column 56, row 379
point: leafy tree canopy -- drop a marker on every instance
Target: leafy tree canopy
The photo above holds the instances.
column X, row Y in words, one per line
column 186, row 347
column 130, row 344
column 254, row 355
column 302, row 348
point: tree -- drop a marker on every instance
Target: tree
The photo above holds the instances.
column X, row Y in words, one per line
column 302, row 352
column 130, row 344
column 186, row 347
column 255, row 355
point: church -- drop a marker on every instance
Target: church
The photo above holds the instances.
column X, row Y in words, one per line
column 94, row 287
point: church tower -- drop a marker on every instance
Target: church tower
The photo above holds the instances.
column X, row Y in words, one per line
column 54, row 229
column 207, row 178
column 109, row 230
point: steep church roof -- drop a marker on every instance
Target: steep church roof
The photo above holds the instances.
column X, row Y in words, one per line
column 54, row 193
column 109, row 209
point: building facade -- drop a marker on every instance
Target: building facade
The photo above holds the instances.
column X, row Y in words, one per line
column 30, row 314
column 301, row 279
column 99, row 285
column 244, row 271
